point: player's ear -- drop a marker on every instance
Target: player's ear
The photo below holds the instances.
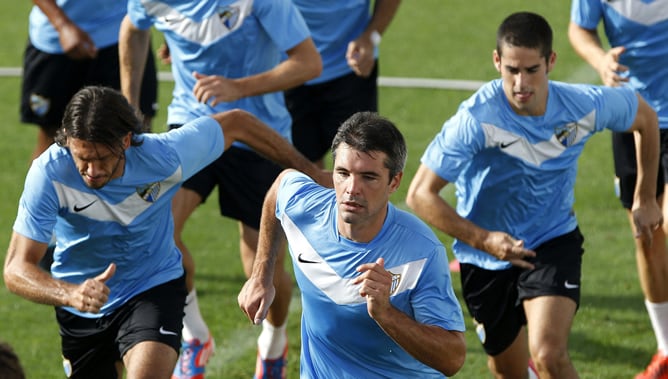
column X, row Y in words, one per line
column 395, row 181
column 551, row 61
column 496, row 58
column 127, row 140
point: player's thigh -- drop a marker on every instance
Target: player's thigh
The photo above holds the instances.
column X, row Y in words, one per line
column 492, row 300
column 154, row 315
column 88, row 347
column 549, row 321
column 150, row 359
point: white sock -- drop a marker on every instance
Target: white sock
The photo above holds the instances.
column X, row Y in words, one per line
column 658, row 315
column 193, row 323
column 271, row 342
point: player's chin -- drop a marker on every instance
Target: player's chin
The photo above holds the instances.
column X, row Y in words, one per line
column 350, row 217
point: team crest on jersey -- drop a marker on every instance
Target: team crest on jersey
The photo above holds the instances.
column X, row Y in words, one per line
column 566, row 134
column 232, row 16
column 39, row 104
column 396, row 279
column 149, row 192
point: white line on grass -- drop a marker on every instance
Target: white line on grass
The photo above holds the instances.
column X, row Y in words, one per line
column 471, row 85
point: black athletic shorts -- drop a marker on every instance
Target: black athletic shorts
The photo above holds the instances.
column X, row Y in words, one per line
column 50, row 81
column 318, row 110
column 243, row 178
column 92, row 346
column 624, row 154
column 494, row 298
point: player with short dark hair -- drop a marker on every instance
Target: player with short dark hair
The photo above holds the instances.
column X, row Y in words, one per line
column 376, row 292
column 512, row 150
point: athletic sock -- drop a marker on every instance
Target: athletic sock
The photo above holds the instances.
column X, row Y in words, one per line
column 271, row 342
column 658, row 315
column 193, row 323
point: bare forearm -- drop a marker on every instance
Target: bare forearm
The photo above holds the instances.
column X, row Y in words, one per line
column 29, row 281
column 25, row 278
column 269, row 237
column 647, row 136
column 434, row 346
column 267, row 142
column 133, row 47
column 37, row 286
column 53, row 12
column 303, row 64
column 587, row 44
column 434, row 210
column 384, row 11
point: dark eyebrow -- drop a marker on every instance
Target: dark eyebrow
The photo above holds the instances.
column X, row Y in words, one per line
column 365, row 173
column 534, row 67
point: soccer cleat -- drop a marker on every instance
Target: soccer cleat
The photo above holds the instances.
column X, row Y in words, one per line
column 271, row 368
column 193, row 358
column 657, row 368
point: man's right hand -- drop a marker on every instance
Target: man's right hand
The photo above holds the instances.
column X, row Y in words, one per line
column 93, row 293
column 76, row 43
column 255, row 298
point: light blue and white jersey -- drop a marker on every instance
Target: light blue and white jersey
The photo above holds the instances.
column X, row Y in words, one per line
column 339, row 339
column 642, row 28
column 333, row 25
column 127, row 222
column 101, row 19
column 516, row 174
column 233, row 39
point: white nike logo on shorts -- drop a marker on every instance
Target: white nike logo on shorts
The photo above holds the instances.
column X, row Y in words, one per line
column 167, row 332
column 570, row 286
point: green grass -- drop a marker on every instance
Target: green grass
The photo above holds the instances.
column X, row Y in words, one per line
column 453, row 39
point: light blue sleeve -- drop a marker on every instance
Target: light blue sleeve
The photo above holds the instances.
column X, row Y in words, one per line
column 138, row 15
column 197, row 143
column 290, row 184
column 617, row 108
column 38, row 206
column 586, row 13
column 435, row 302
column 454, row 146
column 282, row 21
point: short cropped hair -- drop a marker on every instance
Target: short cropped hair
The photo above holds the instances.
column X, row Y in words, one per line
column 367, row 132
column 525, row 29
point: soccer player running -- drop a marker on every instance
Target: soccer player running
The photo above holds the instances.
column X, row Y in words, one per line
column 638, row 34
column 73, row 44
column 117, row 282
column 347, row 34
column 226, row 55
column 511, row 150
column 375, row 286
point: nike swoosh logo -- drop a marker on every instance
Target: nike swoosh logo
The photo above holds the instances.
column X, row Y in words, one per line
column 79, row 209
column 503, row 145
column 167, row 332
column 570, row 286
column 302, row 260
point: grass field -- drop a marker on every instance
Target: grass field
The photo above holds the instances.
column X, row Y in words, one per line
column 453, row 39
